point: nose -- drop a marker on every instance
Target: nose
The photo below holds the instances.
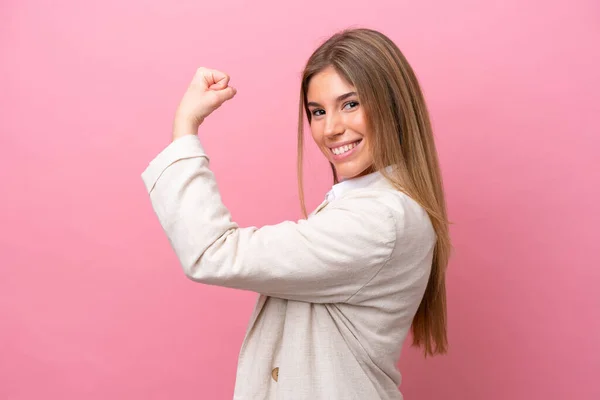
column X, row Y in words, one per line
column 333, row 125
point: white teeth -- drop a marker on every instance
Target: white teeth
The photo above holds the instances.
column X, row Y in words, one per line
column 344, row 149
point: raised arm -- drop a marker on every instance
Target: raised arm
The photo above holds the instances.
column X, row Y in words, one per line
column 326, row 258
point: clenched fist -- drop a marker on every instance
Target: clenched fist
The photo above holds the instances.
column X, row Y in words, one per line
column 207, row 91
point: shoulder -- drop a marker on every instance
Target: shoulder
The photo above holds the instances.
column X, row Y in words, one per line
column 390, row 206
column 357, row 218
column 381, row 199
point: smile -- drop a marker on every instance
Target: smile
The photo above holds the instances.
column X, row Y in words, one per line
column 338, row 151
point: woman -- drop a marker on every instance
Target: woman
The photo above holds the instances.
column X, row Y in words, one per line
column 340, row 289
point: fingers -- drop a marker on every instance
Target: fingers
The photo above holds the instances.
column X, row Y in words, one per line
column 211, row 78
column 220, row 79
column 225, row 94
column 208, row 91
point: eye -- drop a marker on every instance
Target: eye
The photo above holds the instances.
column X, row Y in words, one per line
column 317, row 112
column 350, row 105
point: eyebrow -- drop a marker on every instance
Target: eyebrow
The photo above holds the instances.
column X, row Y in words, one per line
column 340, row 98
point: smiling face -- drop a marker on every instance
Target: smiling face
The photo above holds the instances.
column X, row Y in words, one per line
column 339, row 124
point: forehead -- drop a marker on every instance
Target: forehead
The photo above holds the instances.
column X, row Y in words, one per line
column 327, row 85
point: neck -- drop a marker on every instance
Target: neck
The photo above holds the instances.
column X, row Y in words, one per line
column 367, row 171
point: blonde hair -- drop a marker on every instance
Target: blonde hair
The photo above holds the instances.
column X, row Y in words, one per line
column 397, row 114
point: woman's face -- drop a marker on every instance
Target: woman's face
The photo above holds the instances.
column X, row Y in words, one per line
column 339, row 124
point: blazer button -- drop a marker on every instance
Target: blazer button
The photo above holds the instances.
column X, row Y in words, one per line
column 275, row 374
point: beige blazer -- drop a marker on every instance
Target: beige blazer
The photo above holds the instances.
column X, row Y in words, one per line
column 338, row 291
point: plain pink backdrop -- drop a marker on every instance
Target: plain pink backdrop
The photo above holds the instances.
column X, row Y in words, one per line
column 93, row 304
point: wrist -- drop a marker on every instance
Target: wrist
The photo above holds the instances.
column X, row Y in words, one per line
column 185, row 126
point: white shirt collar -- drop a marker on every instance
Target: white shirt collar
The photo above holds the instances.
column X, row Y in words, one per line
column 369, row 180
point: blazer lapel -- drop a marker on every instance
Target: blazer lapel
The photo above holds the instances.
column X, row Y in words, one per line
column 320, row 207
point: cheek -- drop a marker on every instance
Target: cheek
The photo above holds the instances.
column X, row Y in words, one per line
column 356, row 122
column 317, row 134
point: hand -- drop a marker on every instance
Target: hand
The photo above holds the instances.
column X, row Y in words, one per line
column 207, row 91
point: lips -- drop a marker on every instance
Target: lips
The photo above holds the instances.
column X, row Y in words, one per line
column 344, row 147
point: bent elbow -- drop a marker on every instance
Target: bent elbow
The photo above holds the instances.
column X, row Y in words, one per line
column 207, row 274
column 194, row 272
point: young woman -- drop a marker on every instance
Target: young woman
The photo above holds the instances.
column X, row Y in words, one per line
column 339, row 290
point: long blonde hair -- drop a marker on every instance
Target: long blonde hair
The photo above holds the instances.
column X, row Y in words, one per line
column 398, row 116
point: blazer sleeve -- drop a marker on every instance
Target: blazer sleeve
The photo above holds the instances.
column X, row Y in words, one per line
column 326, row 258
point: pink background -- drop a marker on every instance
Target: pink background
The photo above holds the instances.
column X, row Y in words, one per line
column 93, row 304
